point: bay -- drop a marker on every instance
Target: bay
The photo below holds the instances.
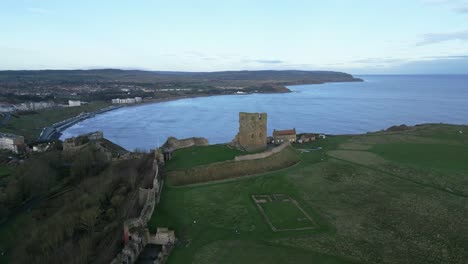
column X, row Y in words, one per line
column 333, row 108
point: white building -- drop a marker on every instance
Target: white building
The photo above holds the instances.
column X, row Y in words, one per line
column 32, row 106
column 127, row 100
column 72, row 103
column 11, row 142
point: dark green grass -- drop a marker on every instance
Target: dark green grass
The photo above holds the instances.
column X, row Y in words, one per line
column 241, row 251
column 233, row 169
column 199, row 155
column 364, row 213
column 224, row 212
column 30, row 126
column 450, row 157
column 285, row 215
column 4, row 171
column 9, row 233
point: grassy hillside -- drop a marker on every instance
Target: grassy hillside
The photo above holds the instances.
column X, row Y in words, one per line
column 30, row 125
column 200, row 155
column 115, row 75
column 231, row 169
column 387, row 197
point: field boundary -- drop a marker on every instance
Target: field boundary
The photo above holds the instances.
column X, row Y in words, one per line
column 260, row 199
column 233, row 169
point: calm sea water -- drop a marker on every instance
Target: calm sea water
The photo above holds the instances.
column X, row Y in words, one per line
column 333, row 108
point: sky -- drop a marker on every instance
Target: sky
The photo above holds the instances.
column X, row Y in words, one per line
column 359, row 37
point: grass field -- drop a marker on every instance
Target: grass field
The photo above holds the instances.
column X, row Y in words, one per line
column 199, row 155
column 30, row 125
column 410, row 208
column 4, row 171
column 286, row 215
column 455, row 157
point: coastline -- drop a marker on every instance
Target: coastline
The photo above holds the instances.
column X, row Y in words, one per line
column 72, row 121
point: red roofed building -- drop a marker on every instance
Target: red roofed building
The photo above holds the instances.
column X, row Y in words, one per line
column 281, row 136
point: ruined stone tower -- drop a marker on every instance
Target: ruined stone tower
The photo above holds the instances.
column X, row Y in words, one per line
column 252, row 131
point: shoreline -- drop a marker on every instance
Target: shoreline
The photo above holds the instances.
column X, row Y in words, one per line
column 58, row 133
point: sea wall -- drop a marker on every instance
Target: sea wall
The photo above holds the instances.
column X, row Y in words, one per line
column 264, row 154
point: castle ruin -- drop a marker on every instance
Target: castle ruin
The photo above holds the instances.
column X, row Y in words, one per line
column 252, row 134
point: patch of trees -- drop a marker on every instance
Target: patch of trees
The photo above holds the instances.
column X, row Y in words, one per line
column 44, row 172
column 84, row 200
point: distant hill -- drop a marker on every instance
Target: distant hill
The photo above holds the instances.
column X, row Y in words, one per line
column 106, row 84
column 116, row 75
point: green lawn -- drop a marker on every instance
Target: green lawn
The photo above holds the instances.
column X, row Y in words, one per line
column 30, row 125
column 4, row 171
column 10, row 231
column 285, row 215
column 365, row 212
column 200, row 155
column 434, row 156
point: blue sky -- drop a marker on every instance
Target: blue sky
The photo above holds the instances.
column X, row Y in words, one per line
column 411, row 36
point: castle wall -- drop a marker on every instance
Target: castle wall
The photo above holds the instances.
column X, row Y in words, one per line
column 136, row 233
column 173, row 144
column 264, row 154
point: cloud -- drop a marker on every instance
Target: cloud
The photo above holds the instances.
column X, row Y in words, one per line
column 461, row 10
column 448, row 57
column 269, row 61
column 265, row 61
column 457, row 6
column 433, row 38
column 37, row 10
column 377, row 61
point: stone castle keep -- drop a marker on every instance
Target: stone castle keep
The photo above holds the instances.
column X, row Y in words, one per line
column 252, row 132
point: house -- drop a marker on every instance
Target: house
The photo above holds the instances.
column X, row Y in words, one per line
column 307, row 137
column 281, row 136
column 11, row 142
column 72, row 103
column 127, row 100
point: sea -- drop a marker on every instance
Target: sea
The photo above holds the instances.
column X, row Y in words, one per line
column 377, row 103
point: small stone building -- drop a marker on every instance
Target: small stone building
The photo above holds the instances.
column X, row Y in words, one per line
column 73, row 103
column 281, row 136
column 307, row 137
column 11, row 142
column 71, row 143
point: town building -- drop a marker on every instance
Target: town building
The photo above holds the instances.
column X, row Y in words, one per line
column 72, row 103
column 307, row 137
column 11, row 142
column 33, row 106
column 127, row 100
column 281, row 136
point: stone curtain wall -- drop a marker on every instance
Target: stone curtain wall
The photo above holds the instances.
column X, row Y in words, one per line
column 173, row 144
column 136, row 233
column 285, row 157
column 264, row 154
